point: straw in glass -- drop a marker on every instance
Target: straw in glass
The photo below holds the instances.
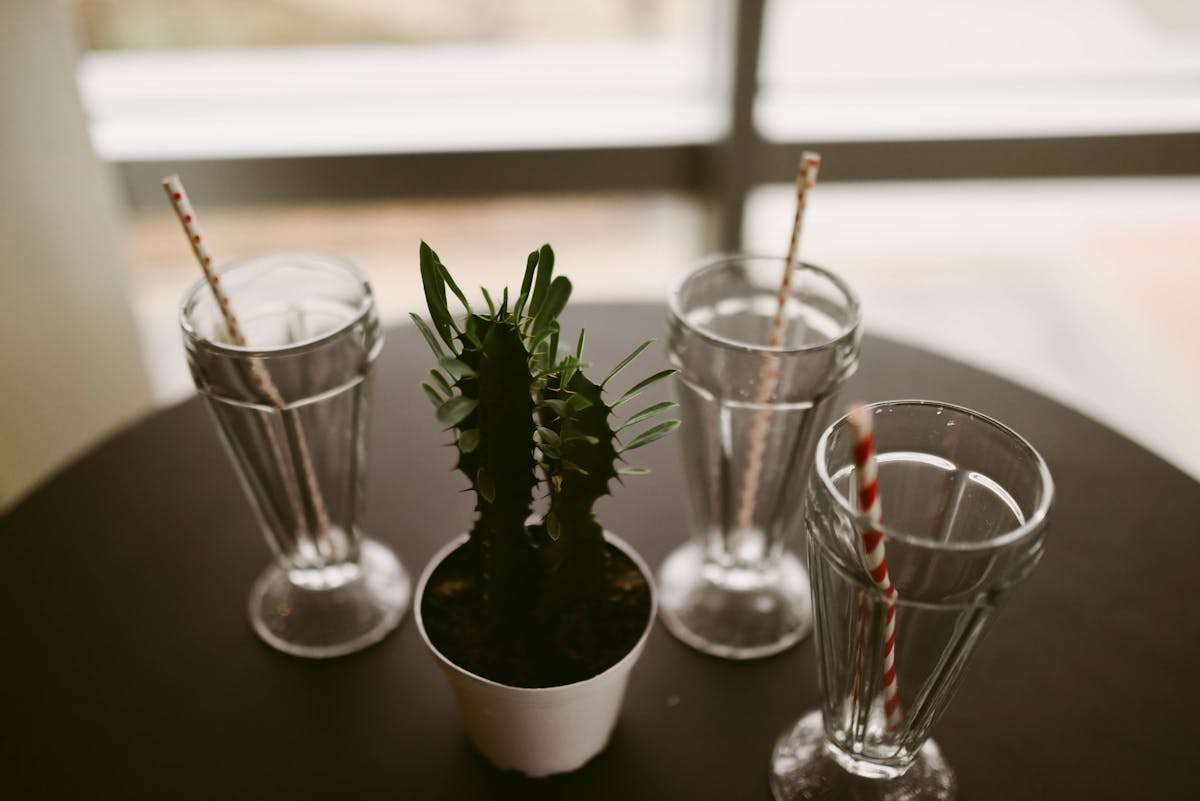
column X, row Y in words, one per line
column 866, row 473
column 258, row 370
column 768, row 383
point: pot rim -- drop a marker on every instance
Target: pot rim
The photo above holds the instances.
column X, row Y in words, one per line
column 630, row 655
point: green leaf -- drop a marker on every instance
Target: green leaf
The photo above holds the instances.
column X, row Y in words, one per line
column 541, row 284
column 647, row 413
column 503, row 304
column 548, row 442
column 455, row 410
column 569, row 465
column 651, row 434
column 456, row 368
column 548, row 437
column 626, row 361
column 434, row 345
column 449, row 279
column 435, row 295
column 468, row 440
column 641, row 386
column 488, row 299
column 569, row 361
column 433, row 395
column 537, row 354
column 473, row 337
column 578, row 402
column 553, row 526
column 484, row 485
column 553, row 303
column 569, row 370
column 633, row 471
column 441, row 381
column 471, row 330
column 526, row 282
column 559, row 407
column 549, row 369
column 588, row 438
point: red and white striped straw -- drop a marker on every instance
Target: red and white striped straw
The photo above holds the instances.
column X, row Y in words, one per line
column 258, row 370
column 810, row 164
column 867, row 474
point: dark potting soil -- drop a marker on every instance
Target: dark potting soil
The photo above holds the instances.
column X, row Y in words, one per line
column 585, row 640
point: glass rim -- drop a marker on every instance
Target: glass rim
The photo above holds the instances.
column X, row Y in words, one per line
column 718, row 259
column 1032, row 524
column 303, row 258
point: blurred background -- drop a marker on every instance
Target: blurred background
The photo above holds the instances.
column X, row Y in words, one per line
column 1014, row 183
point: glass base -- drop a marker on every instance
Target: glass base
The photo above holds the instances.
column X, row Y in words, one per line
column 734, row 613
column 339, row 620
column 803, row 769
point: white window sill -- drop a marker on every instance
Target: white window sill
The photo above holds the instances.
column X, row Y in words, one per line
column 983, row 111
column 337, row 101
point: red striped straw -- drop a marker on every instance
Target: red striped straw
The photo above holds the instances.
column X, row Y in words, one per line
column 867, row 472
column 810, row 163
column 258, row 371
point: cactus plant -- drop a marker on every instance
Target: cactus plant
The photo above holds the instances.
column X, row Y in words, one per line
column 534, row 593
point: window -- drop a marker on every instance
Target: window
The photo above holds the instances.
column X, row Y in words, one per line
column 992, row 169
column 939, row 69
column 227, row 79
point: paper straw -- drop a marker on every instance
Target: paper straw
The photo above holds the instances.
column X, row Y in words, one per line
column 810, row 163
column 258, row 370
column 870, row 504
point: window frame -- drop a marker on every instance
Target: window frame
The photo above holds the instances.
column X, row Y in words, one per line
column 719, row 161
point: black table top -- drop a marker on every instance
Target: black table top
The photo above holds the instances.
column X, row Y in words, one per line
column 129, row 668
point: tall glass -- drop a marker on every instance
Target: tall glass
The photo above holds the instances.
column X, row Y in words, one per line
column 292, row 408
column 752, row 412
column 964, row 507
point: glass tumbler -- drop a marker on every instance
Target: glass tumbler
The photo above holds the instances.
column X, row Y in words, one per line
column 964, row 506
column 752, row 411
column 291, row 406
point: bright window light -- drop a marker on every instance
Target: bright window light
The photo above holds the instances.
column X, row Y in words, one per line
column 166, row 81
column 931, row 69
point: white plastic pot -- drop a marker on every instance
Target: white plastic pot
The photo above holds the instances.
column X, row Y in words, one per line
column 545, row 730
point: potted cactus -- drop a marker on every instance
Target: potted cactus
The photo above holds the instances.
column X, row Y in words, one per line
column 537, row 614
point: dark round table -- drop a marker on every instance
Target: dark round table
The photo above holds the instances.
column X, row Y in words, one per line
column 129, row 669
